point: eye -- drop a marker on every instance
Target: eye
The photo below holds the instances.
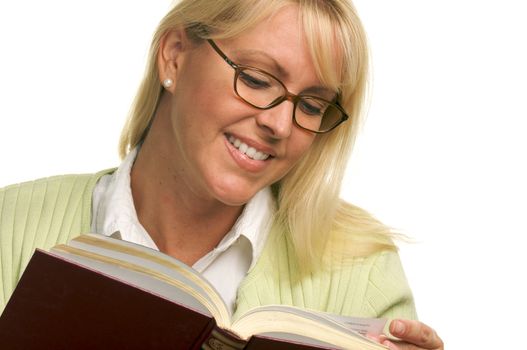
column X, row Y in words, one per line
column 254, row 79
column 312, row 107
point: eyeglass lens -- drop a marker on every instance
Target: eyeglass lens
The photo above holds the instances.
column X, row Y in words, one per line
column 262, row 90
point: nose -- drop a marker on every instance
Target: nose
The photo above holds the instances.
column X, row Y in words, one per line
column 277, row 122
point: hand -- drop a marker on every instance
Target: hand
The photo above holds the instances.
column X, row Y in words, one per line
column 414, row 335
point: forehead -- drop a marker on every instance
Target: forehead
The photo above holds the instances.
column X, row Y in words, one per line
column 279, row 42
column 279, row 35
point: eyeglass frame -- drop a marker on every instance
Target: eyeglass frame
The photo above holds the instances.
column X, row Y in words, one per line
column 287, row 96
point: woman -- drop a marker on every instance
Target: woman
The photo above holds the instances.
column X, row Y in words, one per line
column 233, row 158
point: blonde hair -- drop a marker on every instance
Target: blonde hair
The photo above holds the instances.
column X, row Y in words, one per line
column 309, row 209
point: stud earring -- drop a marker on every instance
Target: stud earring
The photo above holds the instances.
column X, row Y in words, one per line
column 168, row 83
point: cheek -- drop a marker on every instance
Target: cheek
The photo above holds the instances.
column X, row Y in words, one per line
column 295, row 153
column 193, row 111
column 206, row 108
column 300, row 145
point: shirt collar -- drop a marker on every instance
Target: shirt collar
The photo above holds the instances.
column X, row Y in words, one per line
column 255, row 220
column 114, row 206
column 253, row 224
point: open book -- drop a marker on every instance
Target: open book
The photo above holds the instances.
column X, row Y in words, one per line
column 97, row 292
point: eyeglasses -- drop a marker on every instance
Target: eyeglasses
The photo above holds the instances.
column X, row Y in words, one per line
column 262, row 90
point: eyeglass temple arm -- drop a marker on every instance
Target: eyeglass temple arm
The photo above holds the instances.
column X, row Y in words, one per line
column 225, row 58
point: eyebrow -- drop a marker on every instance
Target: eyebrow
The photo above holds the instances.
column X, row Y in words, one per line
column 257, row 53
column 326, row 93
column 284, row 74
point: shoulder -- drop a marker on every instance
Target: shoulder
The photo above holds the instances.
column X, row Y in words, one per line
column 31, row 204
column 45, row 197
column 40, row 214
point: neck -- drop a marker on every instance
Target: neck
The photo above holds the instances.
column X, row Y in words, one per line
column 182, row 223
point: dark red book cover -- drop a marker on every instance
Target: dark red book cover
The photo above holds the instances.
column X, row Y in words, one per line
column 60, row 305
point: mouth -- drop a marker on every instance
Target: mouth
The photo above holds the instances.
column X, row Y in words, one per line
column 249, row 151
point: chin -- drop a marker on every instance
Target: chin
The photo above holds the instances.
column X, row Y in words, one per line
column 234, row 194
column 235, row 199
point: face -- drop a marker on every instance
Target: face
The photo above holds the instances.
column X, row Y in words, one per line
column 223, row 148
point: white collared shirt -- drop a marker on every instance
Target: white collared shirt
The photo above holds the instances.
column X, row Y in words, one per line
column 224, row 267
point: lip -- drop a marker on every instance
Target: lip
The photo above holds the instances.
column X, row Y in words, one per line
column 243, row 161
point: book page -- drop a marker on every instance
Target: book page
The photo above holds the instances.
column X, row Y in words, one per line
column 276, row 319
column 363, row 326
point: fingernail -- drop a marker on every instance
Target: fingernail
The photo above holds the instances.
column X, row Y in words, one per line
column 398, row 327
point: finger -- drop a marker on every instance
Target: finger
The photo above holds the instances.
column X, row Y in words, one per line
column 396, row 345
column 381, row 338
column 417, row 333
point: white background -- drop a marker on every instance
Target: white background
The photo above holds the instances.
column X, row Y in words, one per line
column 442, row 156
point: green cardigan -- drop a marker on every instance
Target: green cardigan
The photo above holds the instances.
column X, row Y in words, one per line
column 46, row 212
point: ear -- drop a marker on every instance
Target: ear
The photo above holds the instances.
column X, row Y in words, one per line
column 170, row 56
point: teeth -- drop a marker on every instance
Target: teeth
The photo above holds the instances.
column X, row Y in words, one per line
column 243, row 148
column 260, row 156
column 250, row 152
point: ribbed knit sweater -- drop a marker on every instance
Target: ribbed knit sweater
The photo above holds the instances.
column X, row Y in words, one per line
column 50, row 211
